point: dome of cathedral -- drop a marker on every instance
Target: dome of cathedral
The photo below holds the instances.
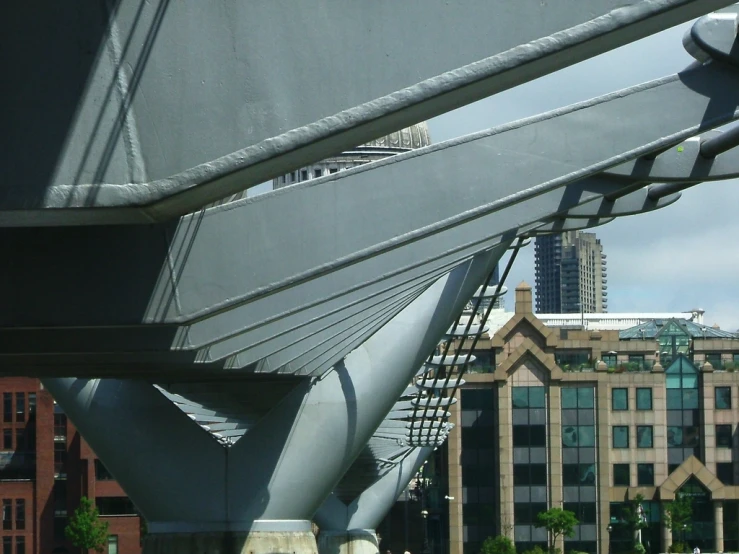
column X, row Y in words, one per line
column 415, row 136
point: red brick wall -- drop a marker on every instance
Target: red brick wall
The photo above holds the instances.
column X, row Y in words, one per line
column 38, row 493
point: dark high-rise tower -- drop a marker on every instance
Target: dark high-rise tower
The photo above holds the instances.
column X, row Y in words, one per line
column 570, row 274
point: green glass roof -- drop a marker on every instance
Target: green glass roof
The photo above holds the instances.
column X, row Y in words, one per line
column 654, row 328
column 681, row 365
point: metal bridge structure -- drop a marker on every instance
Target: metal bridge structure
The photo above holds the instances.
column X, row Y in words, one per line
column 242, row 367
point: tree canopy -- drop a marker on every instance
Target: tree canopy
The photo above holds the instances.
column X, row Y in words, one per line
column 678, row 514
column 498, row 545
column 557, row 522
column 85, row 529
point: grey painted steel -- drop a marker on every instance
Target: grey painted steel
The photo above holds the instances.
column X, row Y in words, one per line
column 367, row 510
column 634, row 203
column 172, row 270
column 111, row 136
column 681, row 162
column 713, row 37
column 710, row 148
column 306, row 443
column 561, row 225
column 657, row 192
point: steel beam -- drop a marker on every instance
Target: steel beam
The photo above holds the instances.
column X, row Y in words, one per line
column 109, row 135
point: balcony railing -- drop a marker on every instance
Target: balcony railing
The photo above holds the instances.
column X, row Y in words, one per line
column 723, row 365
column 472, row 368
column 583, row 367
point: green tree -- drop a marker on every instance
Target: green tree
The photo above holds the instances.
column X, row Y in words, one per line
column 557, row 522
column 633, row 517
column 498, row 545
column 535, row 550
column 85, row 529
column 678, row 515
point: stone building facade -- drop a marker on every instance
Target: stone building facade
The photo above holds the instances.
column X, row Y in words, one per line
column 586, row 420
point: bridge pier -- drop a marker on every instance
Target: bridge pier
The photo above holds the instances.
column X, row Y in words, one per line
column 350, row 528
column 284, row 537
column 259, row 494
column 351, row 541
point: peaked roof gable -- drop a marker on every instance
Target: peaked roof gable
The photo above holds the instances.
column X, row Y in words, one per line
column 528, row 349
column 691, row 467
column 549, row 337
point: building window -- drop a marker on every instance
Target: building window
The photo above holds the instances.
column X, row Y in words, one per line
column 20, row 545
column 528, row 397
column 31, row 405
column 609, row 359
column 317, row 173
column 619, row 399
column 112, row 544
column 645, row 475
column 644, row 436
column 578, row 474
column 578, row 435
column 304, row 175
column 636, row 361
column 578, row 397
column 60, row 428
column 122, row 506
column 620, row 436
column 7, row 545
column 529, row 435
column 643, row 399
column 20, row 513
column 7, row 514
column 8, row 439
column 20, row 440
column 60, row 499
column 60, row 460
column 101, row 472
column 529, row 474
column 725, row 472
column 20, row 406
column 7, row 406
column 723, row 398
column 723, row 436
column 714, row 358
column 621, row 475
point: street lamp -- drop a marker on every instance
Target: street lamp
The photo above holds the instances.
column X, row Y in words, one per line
column 685, row 526
column 609, row 529
column 425, row 549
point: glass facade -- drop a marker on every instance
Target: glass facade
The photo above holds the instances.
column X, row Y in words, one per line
column 673, row 341
column 529, row 406
column 622, row 537
column 579, row 467
column 479, row 475
column 683, row 413
column 701, row 531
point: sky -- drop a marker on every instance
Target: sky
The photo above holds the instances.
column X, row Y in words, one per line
column 682, row 257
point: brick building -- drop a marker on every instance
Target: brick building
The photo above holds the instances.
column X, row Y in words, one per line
column 45, row 467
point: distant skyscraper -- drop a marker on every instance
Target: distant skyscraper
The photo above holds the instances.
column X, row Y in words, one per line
column 570, row 274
